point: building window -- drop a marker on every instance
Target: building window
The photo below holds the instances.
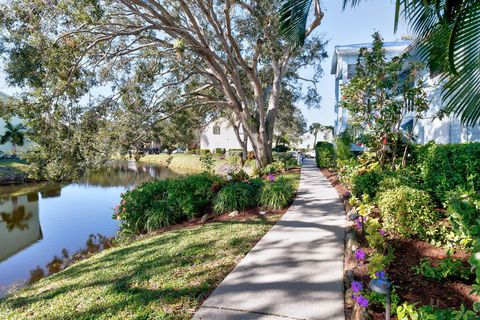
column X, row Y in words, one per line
column 216, row 130
column 351, row 70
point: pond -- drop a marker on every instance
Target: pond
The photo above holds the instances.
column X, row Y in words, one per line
column 40, row 221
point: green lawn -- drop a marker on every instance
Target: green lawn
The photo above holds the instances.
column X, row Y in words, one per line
column 180, row 161
column 10, row 167
column 160, row 277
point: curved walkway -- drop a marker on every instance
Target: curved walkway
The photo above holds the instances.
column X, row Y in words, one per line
column 296, row 270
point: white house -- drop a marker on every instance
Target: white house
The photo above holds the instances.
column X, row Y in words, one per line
column 446, row 130
column 307, row 140
column 220, row 134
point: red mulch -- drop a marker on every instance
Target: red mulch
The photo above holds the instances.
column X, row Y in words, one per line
column 411, row 287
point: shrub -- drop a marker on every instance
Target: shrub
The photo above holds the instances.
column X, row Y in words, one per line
column 342, row 144
column 281, row 148
column 448, row 167
column 235, row 152
column 207, row 163
column 394, row 180
column 325, row 155
column 274, row 167
column 219, row 151
column 234, row 160
column 235, row 196
column 194, row 194
column 204, row 152
column 407, row 211
column 276, row 194
column 366, row 182
column 463, row 211
column 164, row 202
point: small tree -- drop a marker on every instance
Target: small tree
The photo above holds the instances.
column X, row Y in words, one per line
column 380, row 95
column 14, row 134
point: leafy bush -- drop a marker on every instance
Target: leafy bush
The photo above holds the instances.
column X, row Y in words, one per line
column 447, row 268
column 219, row 151
column 464, row 214
column 281, row 148
column 394, row 180
column 235, row 196
column 234, row 160
column 207, row 163
column 448, row 167
column 407, row 211
column 342, row 146
column 274, row 167
column 276, row 194
column 164, row 202
column 235, row 152
column 204, row 152
column 365, row 182
column 325, row 155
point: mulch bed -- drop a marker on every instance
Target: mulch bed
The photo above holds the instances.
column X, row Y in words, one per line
column 412, row 287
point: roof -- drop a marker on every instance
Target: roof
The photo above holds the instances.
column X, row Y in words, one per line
column 352, row 49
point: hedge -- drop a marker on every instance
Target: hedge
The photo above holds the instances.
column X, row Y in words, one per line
column 325, row 155
column 450, row 166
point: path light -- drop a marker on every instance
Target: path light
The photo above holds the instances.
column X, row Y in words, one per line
column 354, row 216
column 382, row 286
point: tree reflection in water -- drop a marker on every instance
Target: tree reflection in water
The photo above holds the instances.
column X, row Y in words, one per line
column 16, row 219
column 94, row 244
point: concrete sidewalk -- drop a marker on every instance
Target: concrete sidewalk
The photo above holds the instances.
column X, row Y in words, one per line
column 296, row 270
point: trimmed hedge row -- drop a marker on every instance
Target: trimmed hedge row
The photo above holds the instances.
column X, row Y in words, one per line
column 447, row 167
column 325, row 155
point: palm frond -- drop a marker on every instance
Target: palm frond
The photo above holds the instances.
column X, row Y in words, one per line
column 293, row 20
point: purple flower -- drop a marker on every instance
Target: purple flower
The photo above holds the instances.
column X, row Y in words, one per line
column 361, row 300
column 357, row 286
column 380, row 274
column 359, row 223
column 271, row 177
column 382, row 232
column 360, row 255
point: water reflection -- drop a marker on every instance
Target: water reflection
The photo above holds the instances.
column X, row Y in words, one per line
column 39, row 221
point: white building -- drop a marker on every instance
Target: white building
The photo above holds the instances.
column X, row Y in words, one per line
column 307, row 140
column 220, row 134
column 447, row 130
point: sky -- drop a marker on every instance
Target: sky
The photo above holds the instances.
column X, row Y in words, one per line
column 354, row 25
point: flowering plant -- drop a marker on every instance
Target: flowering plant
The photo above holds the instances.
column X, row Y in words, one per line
column 357, row 288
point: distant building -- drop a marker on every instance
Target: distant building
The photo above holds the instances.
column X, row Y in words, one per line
column 220, row 134
column 307, row 140
column 446, row 130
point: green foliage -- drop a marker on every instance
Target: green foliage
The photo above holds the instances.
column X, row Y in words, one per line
column 220, row 151
column 365, row 182
column 464, row 214
column 235, row 196
column 280, row 148
column 234, row 160
column 408, row 311
column 372, row 233
column 393, row 179
column 447, row 268
column 276, row 194
column 407, row 211
column 204, row 152
column 274, row 167
column 165, row 202
column 379, row 262
column 325, row 155
column 207, row 163
column 447, row 167
column 342, row 146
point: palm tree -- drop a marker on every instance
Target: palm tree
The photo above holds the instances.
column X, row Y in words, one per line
column 315, row 129
column 15, row 135
column 448, row 41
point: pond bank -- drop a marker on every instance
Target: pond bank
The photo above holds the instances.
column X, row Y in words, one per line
column 167, row 273
column 13, row 172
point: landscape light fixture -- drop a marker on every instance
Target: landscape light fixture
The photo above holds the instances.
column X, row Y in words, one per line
column 354, row 216
column 382, row 286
